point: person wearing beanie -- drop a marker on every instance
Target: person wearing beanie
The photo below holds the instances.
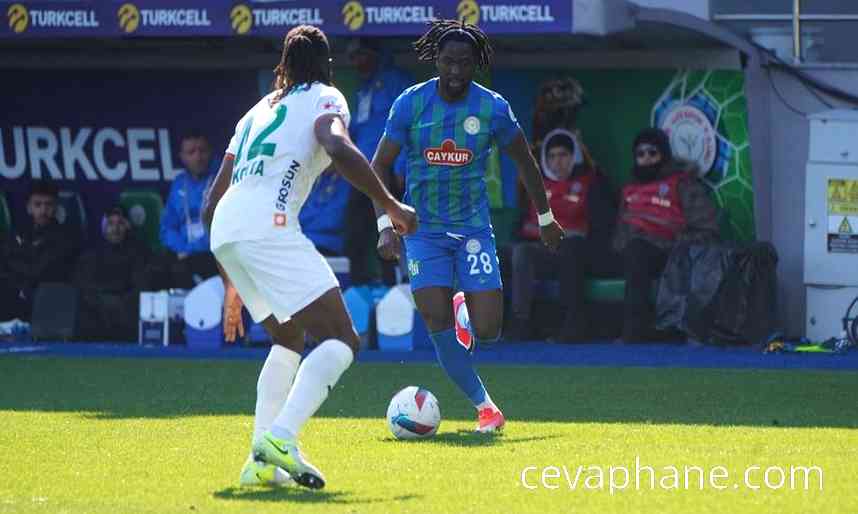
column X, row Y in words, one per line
column 664, row 204
column 109, row 278
column 585, row 205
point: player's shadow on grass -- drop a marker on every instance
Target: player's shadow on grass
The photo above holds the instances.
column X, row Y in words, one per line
column 300, row 495
column 467, row 438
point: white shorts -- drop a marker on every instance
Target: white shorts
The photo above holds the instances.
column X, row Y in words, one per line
column 276, row 276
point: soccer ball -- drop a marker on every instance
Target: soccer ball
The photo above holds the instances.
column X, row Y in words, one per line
column 413, row 414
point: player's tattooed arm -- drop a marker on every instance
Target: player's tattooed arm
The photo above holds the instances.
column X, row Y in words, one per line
column 519, row 151
column 217, row 189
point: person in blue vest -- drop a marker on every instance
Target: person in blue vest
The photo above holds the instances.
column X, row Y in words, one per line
column 381, row 83
column 183, row 234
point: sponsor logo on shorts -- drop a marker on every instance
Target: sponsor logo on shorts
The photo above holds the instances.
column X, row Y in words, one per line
column 448, row 155
column 473, row 246
column 413, row 267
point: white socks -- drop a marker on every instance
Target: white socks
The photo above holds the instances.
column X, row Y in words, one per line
column 273, row 386
column 316, row 377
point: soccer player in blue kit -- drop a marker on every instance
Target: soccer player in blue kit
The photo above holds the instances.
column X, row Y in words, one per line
column 448, row 127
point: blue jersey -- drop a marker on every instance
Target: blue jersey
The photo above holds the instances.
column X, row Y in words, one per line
column 447, row 146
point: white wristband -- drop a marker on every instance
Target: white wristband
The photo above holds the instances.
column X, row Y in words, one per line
column 546, row 219
column 384, row 222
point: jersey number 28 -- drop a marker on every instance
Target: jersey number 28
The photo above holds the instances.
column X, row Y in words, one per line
column 484, row 259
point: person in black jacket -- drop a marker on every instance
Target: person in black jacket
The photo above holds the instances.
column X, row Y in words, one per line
column 110, row 278
column 42, row 251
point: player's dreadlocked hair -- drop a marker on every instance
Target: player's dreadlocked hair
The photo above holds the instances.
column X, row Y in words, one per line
column 443, row 31
column 304, row 61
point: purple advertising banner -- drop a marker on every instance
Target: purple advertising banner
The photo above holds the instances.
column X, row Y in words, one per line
column 101, row 133
column 170, row 18
column 224, row 18
column 56, row 19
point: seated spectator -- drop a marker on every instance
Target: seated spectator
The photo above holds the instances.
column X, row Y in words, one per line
column 41, row 251
column 665, row 203
column 323, row 216
column 583, row 203
column 110, row 278
column 188, row 258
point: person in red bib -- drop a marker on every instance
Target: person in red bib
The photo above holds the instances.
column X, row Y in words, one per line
column 665, row 203
column 584, row 204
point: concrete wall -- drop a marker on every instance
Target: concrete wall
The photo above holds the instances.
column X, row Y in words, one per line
column 789, row 132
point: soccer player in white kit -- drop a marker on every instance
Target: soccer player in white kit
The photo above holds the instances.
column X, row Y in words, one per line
column 279, row 149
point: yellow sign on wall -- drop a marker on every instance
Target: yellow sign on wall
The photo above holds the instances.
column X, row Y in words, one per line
column 842, row 197
column 842, row 200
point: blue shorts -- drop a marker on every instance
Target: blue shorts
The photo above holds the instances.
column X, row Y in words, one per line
column 464, row 262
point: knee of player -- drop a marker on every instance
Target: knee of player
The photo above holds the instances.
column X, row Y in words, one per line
column 296, row 345
column 351, row 339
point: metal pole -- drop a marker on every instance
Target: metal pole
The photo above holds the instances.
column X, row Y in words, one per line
column 796, row 31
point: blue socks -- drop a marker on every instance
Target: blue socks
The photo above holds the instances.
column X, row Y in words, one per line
column 457, row 363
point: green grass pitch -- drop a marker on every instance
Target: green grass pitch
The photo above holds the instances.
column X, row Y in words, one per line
column 94, row 436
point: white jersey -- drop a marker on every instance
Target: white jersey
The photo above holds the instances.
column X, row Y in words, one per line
column 277, row 160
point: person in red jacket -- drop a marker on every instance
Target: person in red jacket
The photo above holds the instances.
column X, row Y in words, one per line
column 583, row 203
column 665, row 203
